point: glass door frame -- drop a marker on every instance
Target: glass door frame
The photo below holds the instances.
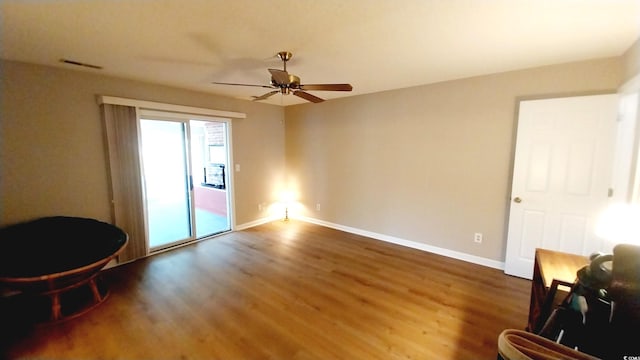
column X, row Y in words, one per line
column 185, row 118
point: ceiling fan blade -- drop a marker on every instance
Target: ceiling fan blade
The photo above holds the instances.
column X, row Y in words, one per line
column 281, row 77
column 307, row 96
column 262, row 97
column 327, row 87
column 236, row 84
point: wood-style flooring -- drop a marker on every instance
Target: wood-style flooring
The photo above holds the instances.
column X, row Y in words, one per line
column 288, row 290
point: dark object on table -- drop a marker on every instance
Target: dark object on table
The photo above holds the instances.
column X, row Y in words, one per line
column 602, row 311
column 55, row 257
column 624, row 292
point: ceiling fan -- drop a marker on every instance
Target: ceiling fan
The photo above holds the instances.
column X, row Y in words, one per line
column 286, row 83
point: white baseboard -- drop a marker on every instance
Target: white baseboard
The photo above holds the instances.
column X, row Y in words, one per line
column 256, row 222
column 408, row 243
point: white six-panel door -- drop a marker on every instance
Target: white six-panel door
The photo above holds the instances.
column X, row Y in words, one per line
column 561, row 177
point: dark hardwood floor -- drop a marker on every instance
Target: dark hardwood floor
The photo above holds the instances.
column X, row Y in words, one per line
column 288, row 290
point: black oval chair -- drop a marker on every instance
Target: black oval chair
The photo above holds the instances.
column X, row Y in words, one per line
column 53, row 256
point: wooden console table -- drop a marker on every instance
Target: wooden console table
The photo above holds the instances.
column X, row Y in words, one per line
column 550, row 270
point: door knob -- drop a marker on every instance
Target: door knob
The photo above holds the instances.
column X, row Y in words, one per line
column 517, row 200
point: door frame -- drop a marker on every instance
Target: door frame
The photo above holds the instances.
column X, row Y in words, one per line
column 632, row 86
column 120, row 180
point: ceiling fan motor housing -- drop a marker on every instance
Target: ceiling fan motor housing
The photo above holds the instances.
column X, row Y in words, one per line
column 293, row 83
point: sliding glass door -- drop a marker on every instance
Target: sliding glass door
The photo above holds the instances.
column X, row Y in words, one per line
column 166, row 181
column 186, row 187
column 210, row 189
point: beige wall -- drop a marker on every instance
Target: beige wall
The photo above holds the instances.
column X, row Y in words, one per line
column 631, row 61
column 52, row 147
column 430, row 164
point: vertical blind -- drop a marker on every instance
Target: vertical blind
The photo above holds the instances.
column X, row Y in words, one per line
column 121, row 128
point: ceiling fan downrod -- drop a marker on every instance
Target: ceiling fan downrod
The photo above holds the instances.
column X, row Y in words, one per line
column 285, row 56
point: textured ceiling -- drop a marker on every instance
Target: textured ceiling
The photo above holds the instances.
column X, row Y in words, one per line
column 375, row 45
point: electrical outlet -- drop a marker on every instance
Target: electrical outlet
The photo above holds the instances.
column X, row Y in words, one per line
column 318, row 207
column 477, row 237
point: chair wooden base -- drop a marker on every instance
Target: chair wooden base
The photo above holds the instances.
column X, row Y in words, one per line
column 62, row 304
